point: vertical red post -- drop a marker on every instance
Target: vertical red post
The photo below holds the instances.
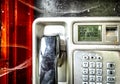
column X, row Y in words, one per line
column 4, row 38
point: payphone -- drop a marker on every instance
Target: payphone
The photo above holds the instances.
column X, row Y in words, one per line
column 72, row 50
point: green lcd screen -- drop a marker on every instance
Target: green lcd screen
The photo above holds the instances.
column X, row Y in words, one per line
column 89, row 33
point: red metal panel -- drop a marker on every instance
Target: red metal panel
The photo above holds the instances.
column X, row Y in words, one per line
column 17, row 20
column 4, row 41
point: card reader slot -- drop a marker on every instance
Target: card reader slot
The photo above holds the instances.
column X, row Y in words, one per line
column 111, row 34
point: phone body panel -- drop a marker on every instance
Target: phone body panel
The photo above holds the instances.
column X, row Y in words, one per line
column 71, row 45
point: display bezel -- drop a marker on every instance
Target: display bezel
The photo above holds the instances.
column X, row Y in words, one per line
column 103, row 32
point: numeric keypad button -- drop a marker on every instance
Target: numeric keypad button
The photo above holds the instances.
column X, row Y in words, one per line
column 98, row 71
column 85, row 64
column 85, row 71
column 99, row 78
column 91, row 71
column 92, row 64
column 92, row 78
column 85, row 77
column 99, row 65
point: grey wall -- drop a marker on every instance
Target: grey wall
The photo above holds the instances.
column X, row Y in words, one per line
column 77, row 8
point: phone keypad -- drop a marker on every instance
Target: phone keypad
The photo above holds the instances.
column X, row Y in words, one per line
column 96, row 67
column 92, row 69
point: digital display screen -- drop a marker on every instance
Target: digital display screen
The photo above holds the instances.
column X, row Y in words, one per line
column 89, row 33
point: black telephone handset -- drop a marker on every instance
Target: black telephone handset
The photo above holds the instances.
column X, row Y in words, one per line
column 48, row 59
